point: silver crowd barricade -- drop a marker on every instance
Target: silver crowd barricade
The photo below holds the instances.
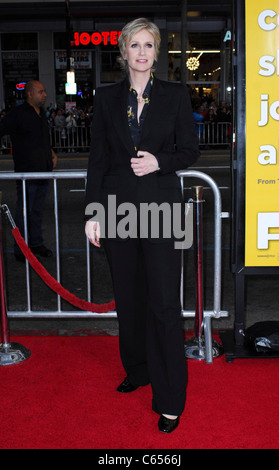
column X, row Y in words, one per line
column 216, row 311
column 77, row 139
column 213, row 133
column 70, row 139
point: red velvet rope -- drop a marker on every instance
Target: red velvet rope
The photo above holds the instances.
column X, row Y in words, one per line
column 54, row 284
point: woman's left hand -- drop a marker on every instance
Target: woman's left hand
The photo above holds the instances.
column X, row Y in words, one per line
column 144, row 164
column 54, row 159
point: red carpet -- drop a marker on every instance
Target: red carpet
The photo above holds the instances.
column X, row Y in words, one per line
column 64, row 397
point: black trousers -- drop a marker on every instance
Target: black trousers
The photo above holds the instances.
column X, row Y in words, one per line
column 36, row 194
column 146, row 280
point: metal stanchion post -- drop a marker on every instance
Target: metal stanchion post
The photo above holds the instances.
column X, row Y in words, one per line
column 195, row 348
column 197, row 198
column 10, row 353
column 5, row 335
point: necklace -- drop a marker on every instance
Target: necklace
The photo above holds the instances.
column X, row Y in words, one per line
column 140, row 99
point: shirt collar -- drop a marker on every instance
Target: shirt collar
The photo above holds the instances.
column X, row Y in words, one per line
column 147, row 91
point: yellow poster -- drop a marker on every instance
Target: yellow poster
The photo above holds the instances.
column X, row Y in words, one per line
column 262, row 133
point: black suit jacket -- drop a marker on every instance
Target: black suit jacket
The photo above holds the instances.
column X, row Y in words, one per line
column 168, row 133
column 30, row 138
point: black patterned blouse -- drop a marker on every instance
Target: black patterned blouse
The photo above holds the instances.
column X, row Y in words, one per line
column 132, row 111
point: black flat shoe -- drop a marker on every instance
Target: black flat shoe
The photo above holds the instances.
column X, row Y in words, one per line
column 126, row 387
column 167, row 425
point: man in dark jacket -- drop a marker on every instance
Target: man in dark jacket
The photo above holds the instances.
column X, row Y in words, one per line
column 27, row 126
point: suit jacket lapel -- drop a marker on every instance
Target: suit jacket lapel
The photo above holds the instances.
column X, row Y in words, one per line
column 156, row 108
column 119, row 105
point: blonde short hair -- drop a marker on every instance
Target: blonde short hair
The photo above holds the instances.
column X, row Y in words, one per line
column 132, row 28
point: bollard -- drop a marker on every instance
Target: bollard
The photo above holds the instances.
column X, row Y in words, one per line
column 195, row 347
column 10, row 353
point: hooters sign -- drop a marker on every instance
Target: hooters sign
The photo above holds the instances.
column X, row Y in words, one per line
column 96, row 38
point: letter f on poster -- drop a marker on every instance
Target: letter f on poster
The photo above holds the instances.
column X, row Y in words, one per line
column 267, row 221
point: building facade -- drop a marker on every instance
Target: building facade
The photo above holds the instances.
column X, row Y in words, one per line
column 41, row 40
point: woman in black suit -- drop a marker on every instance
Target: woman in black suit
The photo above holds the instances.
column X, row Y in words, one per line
column 142, row 133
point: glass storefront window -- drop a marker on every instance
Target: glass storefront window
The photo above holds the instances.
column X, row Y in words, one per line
column 203, row 62
column 19, row 42
column 110, row 68
column 83, row 67
column 59, row 40
column 105, row 67
column 84, row 60
column 19, row 64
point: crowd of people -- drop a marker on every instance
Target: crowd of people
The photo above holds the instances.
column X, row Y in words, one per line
column 70, row 127
column 71, row 117
column 213, row 121
column 211, row 112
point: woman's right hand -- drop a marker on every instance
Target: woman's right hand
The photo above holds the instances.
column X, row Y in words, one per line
column 93, row 232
